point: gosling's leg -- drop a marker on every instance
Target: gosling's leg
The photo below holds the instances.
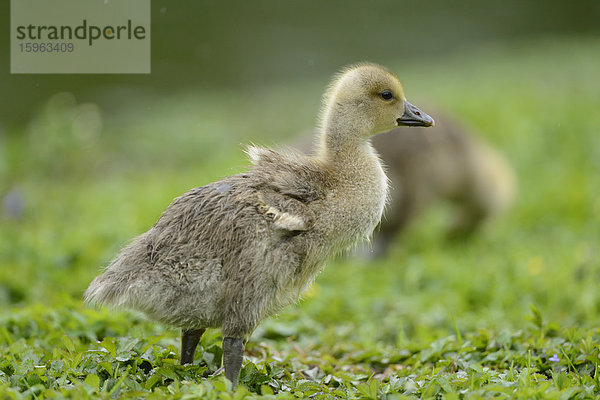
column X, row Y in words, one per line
column 189, row 342
column 233, row 353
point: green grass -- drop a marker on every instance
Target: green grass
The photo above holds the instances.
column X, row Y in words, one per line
column 512, row 313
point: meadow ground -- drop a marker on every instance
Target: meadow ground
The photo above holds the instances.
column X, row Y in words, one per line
column 511, row 313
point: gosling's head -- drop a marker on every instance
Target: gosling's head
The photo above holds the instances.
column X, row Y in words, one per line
column 367, row 99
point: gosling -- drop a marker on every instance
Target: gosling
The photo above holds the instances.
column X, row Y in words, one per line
column 229, row 254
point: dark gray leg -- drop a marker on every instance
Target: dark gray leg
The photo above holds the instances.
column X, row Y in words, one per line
column 189, row 342
column 233, row 353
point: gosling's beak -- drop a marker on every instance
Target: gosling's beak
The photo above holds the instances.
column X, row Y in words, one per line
column 414, row 117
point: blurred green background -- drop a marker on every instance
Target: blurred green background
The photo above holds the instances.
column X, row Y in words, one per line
column 89, row 161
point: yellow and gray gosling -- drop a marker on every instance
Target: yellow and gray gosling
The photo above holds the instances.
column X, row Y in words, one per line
column 229, row 254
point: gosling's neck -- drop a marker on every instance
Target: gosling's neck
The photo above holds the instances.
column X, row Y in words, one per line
column 343, row 142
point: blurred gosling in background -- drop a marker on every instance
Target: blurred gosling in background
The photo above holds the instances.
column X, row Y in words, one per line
column 446, row 163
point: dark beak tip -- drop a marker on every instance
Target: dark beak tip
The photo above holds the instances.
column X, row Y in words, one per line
column 414, row 117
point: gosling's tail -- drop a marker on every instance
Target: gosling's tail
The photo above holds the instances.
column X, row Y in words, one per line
column 102, row 292
column 114, row 287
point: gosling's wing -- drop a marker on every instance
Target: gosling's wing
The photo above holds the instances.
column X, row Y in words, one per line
column 284, row 212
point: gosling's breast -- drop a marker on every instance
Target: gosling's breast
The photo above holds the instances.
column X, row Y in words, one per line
column 355, row 208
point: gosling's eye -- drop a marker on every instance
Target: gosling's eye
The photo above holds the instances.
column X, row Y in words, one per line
column 386, row 95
